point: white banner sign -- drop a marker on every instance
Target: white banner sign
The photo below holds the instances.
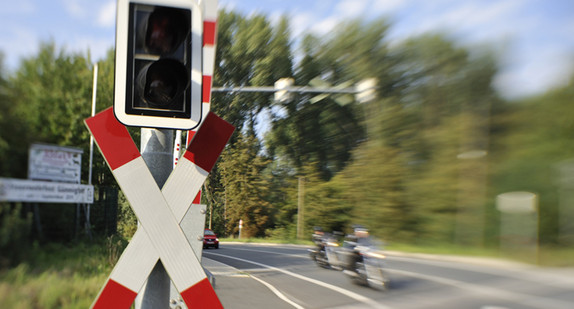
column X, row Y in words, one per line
column 21, row 190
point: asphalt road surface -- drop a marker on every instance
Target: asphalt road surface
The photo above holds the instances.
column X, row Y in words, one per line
column 284, row 276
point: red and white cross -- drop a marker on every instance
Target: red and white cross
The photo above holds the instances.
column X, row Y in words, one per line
column 158, row 211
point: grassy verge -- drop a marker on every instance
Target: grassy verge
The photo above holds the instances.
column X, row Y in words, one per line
column 545, row 256
column 268, row 240
column 59, row 276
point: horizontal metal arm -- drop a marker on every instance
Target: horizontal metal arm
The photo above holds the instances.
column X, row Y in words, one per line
column 290, row 89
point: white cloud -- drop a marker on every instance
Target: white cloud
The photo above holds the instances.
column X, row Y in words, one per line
column 107, row 15
column 274, row 17
column 300, row 22
column 342, row 11
column 75, row 8
column 350, row 8
column 470, row 19
column 536, row 54
column 388, row 6
column 325, row 26
column 534, row 70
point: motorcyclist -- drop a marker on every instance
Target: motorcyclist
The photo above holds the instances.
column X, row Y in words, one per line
column 357, row 241
column 322, row 239
column 364, row 264
column 317, row 236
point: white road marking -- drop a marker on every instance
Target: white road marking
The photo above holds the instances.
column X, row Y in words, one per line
column 302, row 256
column 521, row 298
column 278, row 293
column 509, row 269
column 345, row 292
column 525, row 299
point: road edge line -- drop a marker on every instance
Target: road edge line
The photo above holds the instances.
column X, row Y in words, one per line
column 345, row 292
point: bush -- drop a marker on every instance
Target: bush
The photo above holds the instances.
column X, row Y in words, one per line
column 15, row 228
column 60, row 276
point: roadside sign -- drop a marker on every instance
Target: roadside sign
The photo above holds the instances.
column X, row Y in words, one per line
column 517, row 202
column 31, row 191
column 55, row 163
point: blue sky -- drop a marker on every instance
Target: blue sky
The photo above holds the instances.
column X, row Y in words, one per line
column 535, row 38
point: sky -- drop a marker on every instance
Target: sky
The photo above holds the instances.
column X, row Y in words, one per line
column 534, row 39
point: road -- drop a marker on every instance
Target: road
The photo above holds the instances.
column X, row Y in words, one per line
column 283, row 276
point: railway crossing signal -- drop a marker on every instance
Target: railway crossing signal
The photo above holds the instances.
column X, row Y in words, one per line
column 158, row 211
column 158, row 74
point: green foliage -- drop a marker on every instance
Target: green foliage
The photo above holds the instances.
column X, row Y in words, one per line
column 51, row 94
column 127, row 221
column 375, row 187
column 326, row 204
column 15, row 231
column 5, row 121
column 535, row 156
column 250, row 52
column 245, row 190
column 46, row 100
column 58, row 276
column 325, row 132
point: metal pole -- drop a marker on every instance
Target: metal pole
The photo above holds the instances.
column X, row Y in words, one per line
column 94, row 91
column 298, row 89
column 300, row 207
column 157, row 151
column 210, row 214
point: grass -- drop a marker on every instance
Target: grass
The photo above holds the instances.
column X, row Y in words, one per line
column 59, row 276
column 546, row 256
column 268, row 240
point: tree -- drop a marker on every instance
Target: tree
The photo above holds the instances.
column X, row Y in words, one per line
column 326, row 131
column 326, row 203
column 534, row 154
column 50, row 96
column 250, row 52
column 47, row 99
column 245, row 189
column 7, row 123
column 440, row 113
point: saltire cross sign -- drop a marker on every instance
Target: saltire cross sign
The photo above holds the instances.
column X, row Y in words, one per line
column 158, row 211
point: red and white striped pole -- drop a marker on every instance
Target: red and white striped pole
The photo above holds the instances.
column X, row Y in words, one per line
column 210, row 12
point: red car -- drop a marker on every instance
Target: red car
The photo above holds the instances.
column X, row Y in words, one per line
column 210, row 239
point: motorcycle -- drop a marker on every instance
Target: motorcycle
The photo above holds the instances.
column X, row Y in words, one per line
column 326, row 252
column 365, row 265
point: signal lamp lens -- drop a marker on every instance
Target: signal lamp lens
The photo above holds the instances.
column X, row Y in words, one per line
column 162, row 83
column 166, row 30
